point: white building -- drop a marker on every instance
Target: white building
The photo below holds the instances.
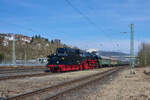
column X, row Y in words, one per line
column 91, row 50
column 9, row 37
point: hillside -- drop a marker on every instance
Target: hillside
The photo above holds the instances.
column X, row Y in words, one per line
column 27, row 47
column 111, row 53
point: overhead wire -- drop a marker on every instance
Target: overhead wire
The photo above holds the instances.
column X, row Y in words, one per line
column 18, row 26
column 77, row 10
column 22, row 27
column 83, row 15
column 88, row 19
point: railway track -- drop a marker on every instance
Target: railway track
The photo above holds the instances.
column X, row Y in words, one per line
column 19, row 70
column 23, row 76
column 56, row 91
column 20, row 67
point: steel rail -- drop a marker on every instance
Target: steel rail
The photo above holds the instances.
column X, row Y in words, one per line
column 60, row 94
column 20, row 67
column 61, row 85
column 19, row 70
column 23, row 76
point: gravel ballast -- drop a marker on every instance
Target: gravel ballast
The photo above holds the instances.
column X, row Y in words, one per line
column 18, row 86
column 122, row 86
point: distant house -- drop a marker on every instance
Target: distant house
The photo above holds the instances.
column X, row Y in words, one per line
column 6, row 38
column 5, row 43
column 57, row 41
column 9, row 37
column 23, row 38
column 47, row 45
column 18, row 37
column 26, row 39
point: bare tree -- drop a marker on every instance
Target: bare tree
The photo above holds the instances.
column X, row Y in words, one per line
column 144, row 54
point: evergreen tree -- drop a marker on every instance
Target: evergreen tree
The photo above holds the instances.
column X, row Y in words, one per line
column 1, row 57
column 52, row 41
column 39, row 36
column 36, row 36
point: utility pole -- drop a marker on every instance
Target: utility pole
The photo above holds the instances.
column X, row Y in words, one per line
column 25, row 56
column 132, row 49
column 13, row 51
column 145, row 52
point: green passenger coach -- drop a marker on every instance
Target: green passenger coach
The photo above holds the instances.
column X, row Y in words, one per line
column 107, row 61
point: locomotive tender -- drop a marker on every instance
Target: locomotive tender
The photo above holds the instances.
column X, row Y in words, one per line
column 69, row 59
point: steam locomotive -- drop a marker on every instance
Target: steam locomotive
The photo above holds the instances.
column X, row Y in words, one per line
column 69, row 59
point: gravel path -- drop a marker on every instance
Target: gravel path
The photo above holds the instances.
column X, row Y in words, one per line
column 123, row 87
column 18, row 86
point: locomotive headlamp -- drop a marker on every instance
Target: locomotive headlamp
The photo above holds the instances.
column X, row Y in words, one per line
column 62, row 58
column 57, row 62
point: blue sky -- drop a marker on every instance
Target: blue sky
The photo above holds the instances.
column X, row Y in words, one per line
column 56, row 19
